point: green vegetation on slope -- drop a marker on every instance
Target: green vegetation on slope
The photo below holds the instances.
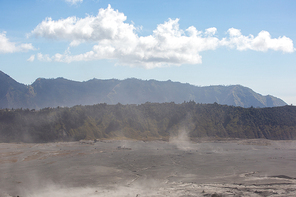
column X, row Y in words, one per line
column 146, row 121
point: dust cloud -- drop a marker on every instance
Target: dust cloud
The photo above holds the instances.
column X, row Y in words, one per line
column 181, row 140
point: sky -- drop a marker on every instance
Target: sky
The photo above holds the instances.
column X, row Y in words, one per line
column 213, row 42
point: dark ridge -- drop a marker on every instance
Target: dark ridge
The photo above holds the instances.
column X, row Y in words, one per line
column 147, row 121
column 62, row 92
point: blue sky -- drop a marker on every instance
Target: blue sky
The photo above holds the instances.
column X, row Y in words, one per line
column 203, row 43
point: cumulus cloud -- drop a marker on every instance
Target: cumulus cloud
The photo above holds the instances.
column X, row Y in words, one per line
column 113, row 38
column 73, row 2
column 211, row 31
column 10, row 47
column 262, row 42
column 108, row 24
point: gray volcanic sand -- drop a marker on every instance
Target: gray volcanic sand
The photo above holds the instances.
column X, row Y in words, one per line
column 155, row 168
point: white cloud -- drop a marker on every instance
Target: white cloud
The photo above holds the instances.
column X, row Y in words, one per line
column 108, row 24
column 168, row 45
column 113, row 38
column 73, row 2
column 44, row 58
column 262, row 42
column 10, row 47
column 211, row 31
column 31, row 58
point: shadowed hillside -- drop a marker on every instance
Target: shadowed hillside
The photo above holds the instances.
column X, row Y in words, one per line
column 147, row 121
column 62, row 92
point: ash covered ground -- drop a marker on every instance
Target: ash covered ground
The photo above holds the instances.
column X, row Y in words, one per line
column 155, row 168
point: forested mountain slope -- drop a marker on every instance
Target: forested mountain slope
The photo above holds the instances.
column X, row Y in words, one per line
column 147, row 121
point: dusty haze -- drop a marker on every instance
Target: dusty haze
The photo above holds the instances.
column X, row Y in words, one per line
column 156, row 168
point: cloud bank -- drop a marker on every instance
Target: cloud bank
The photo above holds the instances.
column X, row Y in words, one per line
column 10, row 47
column 113, row 38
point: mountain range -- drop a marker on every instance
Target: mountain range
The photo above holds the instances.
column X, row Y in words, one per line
column 63, row 92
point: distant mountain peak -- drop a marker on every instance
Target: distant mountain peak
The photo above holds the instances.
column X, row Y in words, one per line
column 63, row 92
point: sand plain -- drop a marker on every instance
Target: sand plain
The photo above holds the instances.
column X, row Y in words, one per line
column 153, row 168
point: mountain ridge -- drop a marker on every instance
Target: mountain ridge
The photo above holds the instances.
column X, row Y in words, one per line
column 44, row 93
